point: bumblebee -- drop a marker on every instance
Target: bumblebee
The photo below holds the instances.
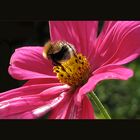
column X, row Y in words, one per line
column 58, row 52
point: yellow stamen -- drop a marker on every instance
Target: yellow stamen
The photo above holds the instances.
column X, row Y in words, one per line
column 74, row 71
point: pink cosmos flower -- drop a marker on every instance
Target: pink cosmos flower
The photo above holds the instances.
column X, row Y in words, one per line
column 117, row 44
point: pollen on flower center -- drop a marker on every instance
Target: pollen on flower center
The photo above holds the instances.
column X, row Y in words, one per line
column 74, row 71
column 71, row 68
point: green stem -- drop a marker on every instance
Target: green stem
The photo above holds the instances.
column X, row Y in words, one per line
column 98, row 103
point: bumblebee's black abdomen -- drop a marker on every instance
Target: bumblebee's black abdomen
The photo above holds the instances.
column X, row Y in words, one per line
column 61, row 55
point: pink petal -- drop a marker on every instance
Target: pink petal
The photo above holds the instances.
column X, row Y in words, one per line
column 87, row 109
column 81, row 34
column 104, row 73
column 105, row 29
column 44, row 109
column 28, row 63
column 41, row 81
column 20, row 105
column 120, row 45
column 26, row 90
column 60, row 111
column 67, row 109
column 39, row 112
column 53, row 91
column 24, row 102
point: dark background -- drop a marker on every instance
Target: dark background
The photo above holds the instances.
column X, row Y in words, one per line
column 14, row 34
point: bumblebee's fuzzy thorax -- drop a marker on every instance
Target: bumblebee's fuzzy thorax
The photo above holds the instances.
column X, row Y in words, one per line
column 59, row 51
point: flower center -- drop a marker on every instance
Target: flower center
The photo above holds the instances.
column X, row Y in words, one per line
column 73, row 70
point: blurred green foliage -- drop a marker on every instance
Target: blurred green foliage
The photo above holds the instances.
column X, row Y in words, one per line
column 121, row 98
